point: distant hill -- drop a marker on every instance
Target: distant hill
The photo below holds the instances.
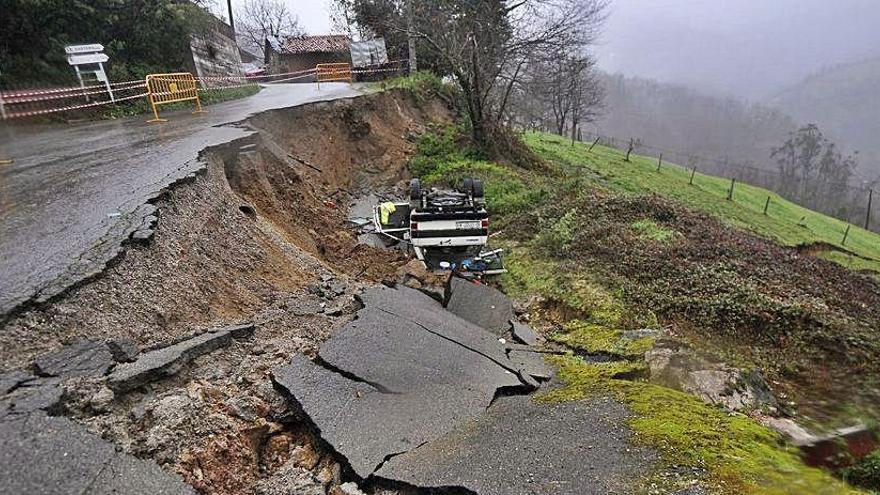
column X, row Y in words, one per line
column 679, row 118
column 845, row 102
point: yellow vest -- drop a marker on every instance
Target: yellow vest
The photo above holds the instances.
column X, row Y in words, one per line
column 385, row 211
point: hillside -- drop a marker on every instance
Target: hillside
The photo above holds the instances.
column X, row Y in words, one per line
column 842, row 100
column 628, row 268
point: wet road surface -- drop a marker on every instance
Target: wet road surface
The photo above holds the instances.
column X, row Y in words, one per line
column 75, row 192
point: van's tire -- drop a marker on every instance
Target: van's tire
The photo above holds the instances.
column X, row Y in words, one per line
column 478, row 188
column 468, row 185
column 415, row 189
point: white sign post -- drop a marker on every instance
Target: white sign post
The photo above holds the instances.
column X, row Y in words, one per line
column 89, row 55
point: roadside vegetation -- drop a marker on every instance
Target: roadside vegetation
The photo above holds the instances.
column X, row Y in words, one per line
column 610, row 247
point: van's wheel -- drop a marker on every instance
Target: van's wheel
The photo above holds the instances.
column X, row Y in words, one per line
column 468, row 185
column 415, row 189
column 478, row 188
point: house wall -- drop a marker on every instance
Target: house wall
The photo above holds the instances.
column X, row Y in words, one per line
column 280, row 63
column 214, row 52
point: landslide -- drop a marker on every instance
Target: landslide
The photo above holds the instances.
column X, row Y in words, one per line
column 265, row 218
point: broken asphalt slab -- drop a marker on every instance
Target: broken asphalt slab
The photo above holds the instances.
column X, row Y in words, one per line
column 523, row 333
column 403, row 373
column 47, row 455
column 521, row 447
column 83, row 357
column 480, row 304
column 167, row 361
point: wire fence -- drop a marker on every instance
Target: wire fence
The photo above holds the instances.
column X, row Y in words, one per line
column 856, row 204
column 32, row 101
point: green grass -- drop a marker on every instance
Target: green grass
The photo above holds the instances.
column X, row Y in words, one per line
column 786, row 223
column 650, row 230
column 741, row 457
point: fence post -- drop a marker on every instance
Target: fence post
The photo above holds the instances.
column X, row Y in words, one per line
column 868, row 213
column 2, row 108
column 766, row 205
column 730, row 191
column 659, row 161
column 594, row 144
column 693, row 172
column 845, row 234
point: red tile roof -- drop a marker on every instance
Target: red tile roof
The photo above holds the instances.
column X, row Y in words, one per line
column 331, row 43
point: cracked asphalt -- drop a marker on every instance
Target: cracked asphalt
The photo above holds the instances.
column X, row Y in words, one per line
column 75, row 192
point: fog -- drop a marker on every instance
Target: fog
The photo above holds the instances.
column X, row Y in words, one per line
column 745, row 48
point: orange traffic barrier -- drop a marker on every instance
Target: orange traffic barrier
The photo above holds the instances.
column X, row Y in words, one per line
column 333, row 72
column 172, row 88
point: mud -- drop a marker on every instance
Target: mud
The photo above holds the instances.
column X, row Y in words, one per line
column 258, row 235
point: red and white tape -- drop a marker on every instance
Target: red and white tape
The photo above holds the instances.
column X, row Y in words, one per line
column 71, row 89
column 60, row 96
column 32, row 113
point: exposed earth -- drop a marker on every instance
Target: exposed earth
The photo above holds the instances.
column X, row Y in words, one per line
column 244, row 342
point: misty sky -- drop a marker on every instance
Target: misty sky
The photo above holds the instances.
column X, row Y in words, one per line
column 746, row 48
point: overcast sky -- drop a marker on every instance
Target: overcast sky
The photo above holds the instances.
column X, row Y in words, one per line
column 749, row 48
column 746, row 48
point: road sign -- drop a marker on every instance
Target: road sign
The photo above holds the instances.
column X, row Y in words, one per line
column 90, row 54
column 89, row 58
column 92, row 48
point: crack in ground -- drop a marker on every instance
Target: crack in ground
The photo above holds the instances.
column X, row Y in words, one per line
column 353, row 377
column 508, row 368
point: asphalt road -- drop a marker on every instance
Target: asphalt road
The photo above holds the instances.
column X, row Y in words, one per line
column 75, row 192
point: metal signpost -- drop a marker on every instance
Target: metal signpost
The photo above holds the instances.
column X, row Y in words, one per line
column 89, row 55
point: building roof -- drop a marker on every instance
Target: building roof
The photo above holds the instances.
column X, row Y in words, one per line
column 331, row 43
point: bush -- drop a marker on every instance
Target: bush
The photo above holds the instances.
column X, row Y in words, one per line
column 866, row 472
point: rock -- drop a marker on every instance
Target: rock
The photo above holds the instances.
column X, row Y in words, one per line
column 124, row 350
column 789, row 429
column 480, row 304
column 641, row 333
column 531, row 363
column 523, row 333
column 336, row 287
column 344, row 305
column 305, row 306
column 54, row 456
column 349, row 488
column 83, row 357
column 240, row 408
column 161, row 363
column 677, row 367
column 142, row 236
column 304, row 456
column 101, row 400
column 290, row 480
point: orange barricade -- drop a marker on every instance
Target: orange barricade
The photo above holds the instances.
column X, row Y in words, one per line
column 172, row 88
column 332, row 72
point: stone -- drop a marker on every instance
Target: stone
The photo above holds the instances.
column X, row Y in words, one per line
column 480, row 304
column 349, row 488
column 55, row 456
column 305, row 306
column 161, row 363
column 305, row 456
column 523, row 333
column 83, row 357
column 677, row 367
column 124, row 350
column 101, row 400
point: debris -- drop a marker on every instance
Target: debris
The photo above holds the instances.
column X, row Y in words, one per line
column 83, row 357
column 523, row 333
column 52, row 455
column 349, row 488
column 38, row 395
column 304, row 306
column 480, row 304
column 124, row 350
column 12, row 379
column 158, row 364
column 403, row 373
column 531, row 363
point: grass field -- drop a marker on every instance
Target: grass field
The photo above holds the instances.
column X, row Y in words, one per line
column 786, row 223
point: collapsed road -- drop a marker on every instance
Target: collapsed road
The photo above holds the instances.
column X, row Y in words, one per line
column 183, row 365
column 411, row 393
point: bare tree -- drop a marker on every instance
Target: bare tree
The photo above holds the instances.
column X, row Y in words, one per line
column 487, row 44
column 261, row 20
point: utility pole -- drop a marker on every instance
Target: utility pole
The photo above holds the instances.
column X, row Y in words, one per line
column 231, row 22
column 868, row 213
column 411, row 37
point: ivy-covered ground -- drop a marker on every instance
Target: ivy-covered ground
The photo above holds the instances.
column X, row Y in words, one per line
column 605, row 258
